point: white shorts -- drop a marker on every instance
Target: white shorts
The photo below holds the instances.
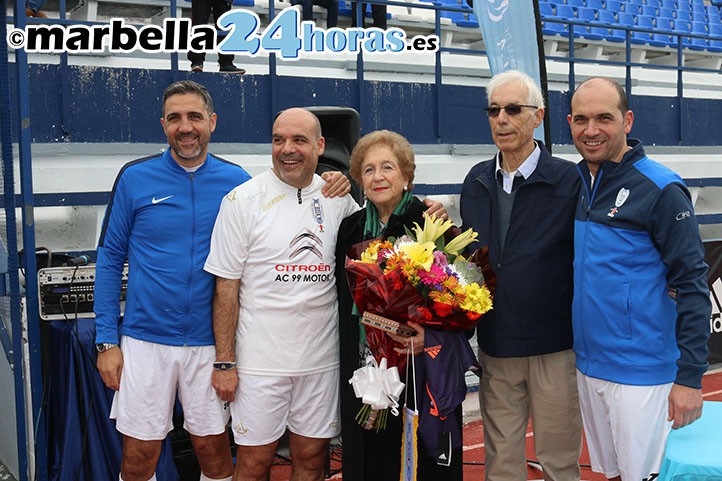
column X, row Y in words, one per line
column 626, row 426
column 266, row 405
column 152, row 374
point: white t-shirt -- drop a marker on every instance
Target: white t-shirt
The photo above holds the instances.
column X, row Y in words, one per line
column 281, row 244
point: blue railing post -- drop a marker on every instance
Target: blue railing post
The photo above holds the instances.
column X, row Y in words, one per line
column 31, row 297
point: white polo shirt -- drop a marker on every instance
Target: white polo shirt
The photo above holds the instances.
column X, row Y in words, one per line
column 280, row 242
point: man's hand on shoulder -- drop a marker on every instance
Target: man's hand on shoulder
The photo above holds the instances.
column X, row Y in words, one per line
column 434, row 207
column 337, row 185
column 224, row 383
column 110, row 366
column 685, row 405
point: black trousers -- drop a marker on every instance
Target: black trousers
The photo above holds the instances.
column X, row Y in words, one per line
column 330, row 5
column 378, row 13
column 200, row 14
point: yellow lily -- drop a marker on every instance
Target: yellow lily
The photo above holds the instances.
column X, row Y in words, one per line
column 420, row 254
column 458, row 243
column 434, row 227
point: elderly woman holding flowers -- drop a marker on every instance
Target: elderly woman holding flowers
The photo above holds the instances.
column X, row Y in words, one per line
column 383, row 163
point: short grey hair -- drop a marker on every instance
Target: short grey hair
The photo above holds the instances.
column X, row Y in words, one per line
column 189, row 87
column 520, row 78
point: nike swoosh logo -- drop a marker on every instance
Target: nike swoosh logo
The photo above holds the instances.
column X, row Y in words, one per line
column 155, row 201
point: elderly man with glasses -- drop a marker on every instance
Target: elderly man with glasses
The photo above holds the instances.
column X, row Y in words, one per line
column 521, row 202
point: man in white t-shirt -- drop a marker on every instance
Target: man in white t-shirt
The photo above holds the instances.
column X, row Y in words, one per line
column 272, row 253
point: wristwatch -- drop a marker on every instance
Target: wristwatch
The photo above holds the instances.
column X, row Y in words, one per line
column 104, row 346
column 224, row 366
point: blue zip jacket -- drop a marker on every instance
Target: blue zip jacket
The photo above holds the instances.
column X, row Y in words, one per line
column 160, row 218
column 636, row 237
column 532, row 312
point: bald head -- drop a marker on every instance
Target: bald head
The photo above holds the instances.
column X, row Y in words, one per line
column 606, row 82
column 297, row 143
column 299, row 117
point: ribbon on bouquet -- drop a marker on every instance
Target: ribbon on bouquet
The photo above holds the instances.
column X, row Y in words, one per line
column 377, row 385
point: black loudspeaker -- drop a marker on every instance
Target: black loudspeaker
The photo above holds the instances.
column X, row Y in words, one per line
column 341, row 127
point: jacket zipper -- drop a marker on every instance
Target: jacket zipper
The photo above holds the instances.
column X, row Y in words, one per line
column 191, row 177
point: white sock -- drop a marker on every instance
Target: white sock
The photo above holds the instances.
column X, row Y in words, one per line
column 206, row 478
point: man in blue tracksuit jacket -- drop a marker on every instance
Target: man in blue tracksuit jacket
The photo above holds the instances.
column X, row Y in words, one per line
column 160, row 217
column 641, row 305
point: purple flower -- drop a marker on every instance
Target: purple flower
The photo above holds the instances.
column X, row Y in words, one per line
column 440, row 259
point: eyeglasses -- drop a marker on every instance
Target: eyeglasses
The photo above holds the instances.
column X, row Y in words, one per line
column 511, row 109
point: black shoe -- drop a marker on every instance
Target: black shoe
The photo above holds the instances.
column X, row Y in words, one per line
column 230, row 68
column 196, row 67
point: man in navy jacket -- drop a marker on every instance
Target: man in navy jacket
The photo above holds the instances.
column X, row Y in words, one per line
column 522, row 203
column 641, row 302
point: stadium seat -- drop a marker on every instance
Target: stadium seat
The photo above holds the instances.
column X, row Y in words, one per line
column 643, row 21
column 653, row 3
column 715, row 45
column 554, row 28
column 683, row 26
column 664, row 39
column 682, row 5
column 665, row 12
column 546, row 9
column 713, row 15
column 685, row 15
column 608, row 18
column 698, row 16
column 595, row 4
column 565, row 11
column 461, row 19
column 699, row 28
column 590, row 32
column 633, row 6
column 649, row 10
column 613, row 6
column 671, row 4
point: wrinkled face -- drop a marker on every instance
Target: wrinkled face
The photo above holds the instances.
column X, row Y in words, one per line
column 383, row 180
column 514, row 134
column 296, row 147
column 598, row 127
column 187, row 126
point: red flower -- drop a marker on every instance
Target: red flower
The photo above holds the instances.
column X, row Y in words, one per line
column 442, row 309
column 426, row 314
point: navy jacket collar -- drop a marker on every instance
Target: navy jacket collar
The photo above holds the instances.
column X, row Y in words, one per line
column 543, row 172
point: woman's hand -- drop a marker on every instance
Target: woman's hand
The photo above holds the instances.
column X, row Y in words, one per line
column 418, row 340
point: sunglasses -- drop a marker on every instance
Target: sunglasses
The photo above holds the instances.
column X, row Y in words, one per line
column 511, row 109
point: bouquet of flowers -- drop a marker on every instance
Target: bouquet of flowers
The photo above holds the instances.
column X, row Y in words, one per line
column 420, row 277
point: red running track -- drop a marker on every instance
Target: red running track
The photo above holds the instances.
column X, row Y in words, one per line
column 474, row 444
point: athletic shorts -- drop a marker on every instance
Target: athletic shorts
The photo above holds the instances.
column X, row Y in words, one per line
column 625, row 426
column 152, row 375
column 266, row 405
